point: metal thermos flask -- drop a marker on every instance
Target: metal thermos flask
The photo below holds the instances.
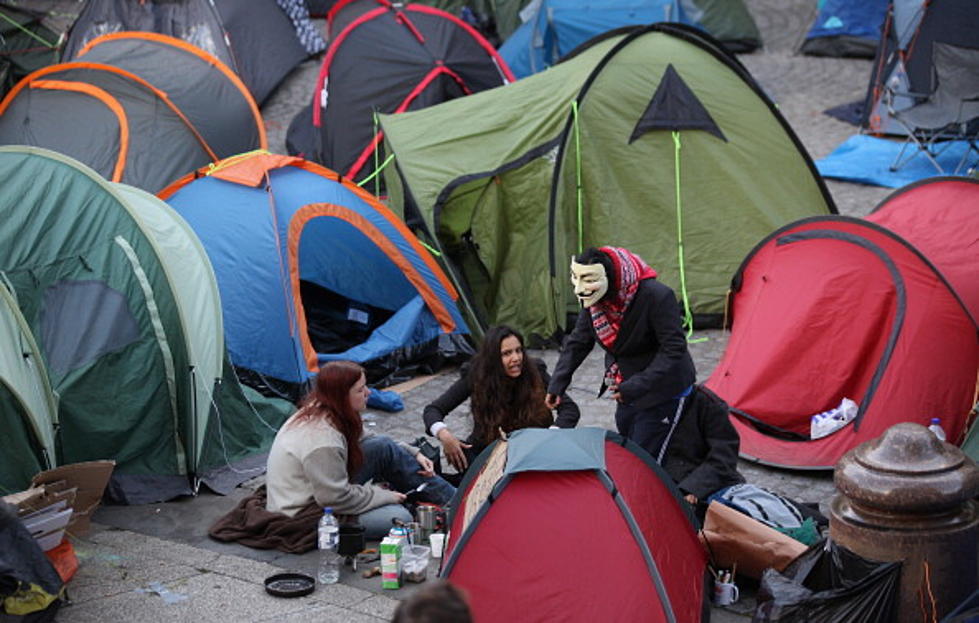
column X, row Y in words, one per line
column 426, row 519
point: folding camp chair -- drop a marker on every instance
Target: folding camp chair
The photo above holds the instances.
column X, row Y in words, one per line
column 950, row 112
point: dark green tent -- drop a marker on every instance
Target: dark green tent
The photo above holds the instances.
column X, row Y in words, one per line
column 656, row 139
column 111, row 298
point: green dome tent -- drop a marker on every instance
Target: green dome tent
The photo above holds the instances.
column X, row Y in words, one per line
column 28, row 407
column 114, row 294
column 508, row 183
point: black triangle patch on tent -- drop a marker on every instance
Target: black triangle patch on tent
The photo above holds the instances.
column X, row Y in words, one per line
column 675, row 107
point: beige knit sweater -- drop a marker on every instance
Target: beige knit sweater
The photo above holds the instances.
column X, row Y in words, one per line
column 308, row 462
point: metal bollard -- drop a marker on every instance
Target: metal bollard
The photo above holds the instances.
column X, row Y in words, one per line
column 906, row 496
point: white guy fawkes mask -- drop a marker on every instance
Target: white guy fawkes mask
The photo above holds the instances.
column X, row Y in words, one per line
column 590, row 282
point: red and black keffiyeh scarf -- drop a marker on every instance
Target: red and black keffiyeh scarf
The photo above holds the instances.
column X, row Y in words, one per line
column 606, row 315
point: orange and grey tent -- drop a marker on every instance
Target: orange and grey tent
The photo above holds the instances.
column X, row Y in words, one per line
column 207, row 91
column 113, row 121
column 133, row 114
column 255, row 38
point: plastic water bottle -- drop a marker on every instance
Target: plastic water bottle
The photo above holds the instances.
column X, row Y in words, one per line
column 329, row 535
column 936, row 427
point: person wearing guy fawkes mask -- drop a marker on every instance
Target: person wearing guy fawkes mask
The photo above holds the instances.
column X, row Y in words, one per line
column 636, row 320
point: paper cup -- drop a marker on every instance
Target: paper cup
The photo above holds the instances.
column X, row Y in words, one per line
column 437, row 541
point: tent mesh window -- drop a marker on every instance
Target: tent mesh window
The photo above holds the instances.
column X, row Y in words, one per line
column 110, row 325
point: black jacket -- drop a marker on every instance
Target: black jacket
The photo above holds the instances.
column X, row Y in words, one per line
column 651, row 349
column 703, row 453
column 567, row 412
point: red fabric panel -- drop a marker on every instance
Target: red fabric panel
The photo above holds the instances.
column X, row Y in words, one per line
column 554, row 547
column 798, row 350
column 680, row 558
column 788, row 358
column 940, row 218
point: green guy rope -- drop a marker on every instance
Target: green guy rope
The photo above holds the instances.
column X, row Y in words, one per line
column 30, row 34
column 377, row 171
column 687, row 314
column 431, row 249
column 377, row 157
column 577, row 173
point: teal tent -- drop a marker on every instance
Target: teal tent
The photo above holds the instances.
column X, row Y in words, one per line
column 114, row 294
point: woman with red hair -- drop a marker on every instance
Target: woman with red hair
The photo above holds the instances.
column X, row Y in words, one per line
column 320, row 456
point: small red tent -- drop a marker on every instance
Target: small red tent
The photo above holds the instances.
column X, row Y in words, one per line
column 574, row 525
column 836, row 307
column 940, row 217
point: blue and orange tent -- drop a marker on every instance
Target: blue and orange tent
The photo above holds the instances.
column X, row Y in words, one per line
column 293, row 243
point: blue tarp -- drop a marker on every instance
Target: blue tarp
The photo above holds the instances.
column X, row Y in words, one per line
column 867, row 159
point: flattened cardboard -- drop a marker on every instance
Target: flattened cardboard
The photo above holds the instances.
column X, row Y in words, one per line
column 90, row 479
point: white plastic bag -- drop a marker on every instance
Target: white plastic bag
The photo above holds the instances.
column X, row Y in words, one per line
column 828, row 422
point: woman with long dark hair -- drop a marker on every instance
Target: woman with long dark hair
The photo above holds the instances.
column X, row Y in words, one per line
column 507, row 391
column 320, row 458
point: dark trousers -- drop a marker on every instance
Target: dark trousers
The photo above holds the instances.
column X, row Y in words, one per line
column 649, row 427
column 386, row 460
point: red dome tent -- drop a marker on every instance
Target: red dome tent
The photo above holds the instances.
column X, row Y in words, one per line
column 940, row 217
column 835, row 307
column 574, row 525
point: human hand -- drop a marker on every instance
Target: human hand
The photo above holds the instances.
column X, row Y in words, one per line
column 615, row 393
column 453, row 449
column 399, row 497
column 691, row 498
column 552, row 401
column 427, row 467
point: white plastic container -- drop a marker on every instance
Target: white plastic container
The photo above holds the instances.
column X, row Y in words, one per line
column 828, row 422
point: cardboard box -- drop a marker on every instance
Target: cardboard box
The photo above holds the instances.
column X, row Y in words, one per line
column 87, row 481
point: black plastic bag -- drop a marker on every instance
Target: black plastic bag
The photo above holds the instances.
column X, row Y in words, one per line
column 829, row 583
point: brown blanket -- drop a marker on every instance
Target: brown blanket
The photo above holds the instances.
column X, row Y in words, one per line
column 250, row 524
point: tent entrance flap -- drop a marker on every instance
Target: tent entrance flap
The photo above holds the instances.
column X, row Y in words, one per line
column 847, row 272
column 336, row 323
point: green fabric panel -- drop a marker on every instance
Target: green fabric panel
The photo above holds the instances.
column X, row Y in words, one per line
column 242, row 422
column 118, row 405
column 22, row 371
column 732, row 193
column 20, row 458
column 507, row 229
column 728, row 20
column 505, row 13
column 971, row 444
column 195, row 287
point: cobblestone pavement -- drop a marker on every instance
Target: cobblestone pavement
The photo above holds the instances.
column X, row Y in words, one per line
column 133, row 548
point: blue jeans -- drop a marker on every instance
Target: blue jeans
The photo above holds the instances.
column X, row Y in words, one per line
column 386, row 461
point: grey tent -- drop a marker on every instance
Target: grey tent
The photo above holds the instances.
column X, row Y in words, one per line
column 255, row 38
column 139, row 108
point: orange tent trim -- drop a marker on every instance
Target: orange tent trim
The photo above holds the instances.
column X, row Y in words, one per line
column 315, row 210
column 198, row 52
column 110, row 102
column 272, row 161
